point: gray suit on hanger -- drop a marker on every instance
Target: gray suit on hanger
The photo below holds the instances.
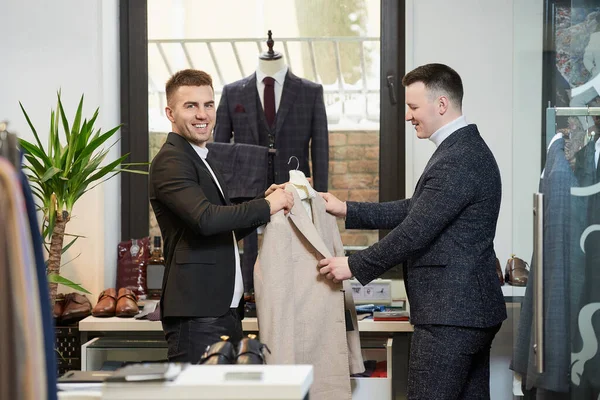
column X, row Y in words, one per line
column 558, row 268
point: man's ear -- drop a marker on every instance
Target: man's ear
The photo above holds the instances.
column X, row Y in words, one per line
column 443, row 105
column 169, row 113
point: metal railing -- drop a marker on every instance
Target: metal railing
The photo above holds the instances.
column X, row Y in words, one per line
column 339, row 94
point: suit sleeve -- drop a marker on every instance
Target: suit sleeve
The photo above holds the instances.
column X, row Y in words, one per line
column 319, row 147
column 223, row 127
column 386, row 215
column 176, row 185
column 446, row 193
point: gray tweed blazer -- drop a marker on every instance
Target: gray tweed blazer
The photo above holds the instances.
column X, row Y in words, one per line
column 443, row 236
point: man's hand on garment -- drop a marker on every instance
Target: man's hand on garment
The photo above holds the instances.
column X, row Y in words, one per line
column 274, row 187
column 335, row 268
column 280, row 200
column 334, row 206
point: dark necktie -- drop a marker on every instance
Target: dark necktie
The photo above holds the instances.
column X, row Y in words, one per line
column 269, row 100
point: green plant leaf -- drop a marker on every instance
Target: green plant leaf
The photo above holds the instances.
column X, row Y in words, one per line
column 50, row 173
column 61, row 280
column 77, row 122
column 65, row 248
column 30, row 148
column 37, row 138
column 96, row 142
column 63, row 116
column 132, row 171
column 105, row 170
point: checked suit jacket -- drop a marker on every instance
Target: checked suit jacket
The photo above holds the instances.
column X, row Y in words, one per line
column 443, row 235
column 300, row 124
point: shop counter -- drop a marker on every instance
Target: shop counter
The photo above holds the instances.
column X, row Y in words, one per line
column 106, row 339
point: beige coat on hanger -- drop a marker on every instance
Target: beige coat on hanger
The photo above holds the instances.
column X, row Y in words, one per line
column 301, row 314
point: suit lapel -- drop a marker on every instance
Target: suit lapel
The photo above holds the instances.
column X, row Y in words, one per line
column 443, row 148
column 302, row 221
column 288, row 97
column 221, row 180
column 183, row 145
column 249, row 101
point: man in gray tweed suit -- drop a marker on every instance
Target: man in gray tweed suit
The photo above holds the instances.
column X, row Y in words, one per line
column 444, row 236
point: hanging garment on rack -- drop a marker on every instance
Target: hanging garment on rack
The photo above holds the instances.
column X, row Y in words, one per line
column 27, row 336
column 556, row 187
column 42, row 283
column 586, row 366
column 303, row 316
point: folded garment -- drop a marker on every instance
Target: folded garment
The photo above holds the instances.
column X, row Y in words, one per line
column 368, row 308
column 151, row 311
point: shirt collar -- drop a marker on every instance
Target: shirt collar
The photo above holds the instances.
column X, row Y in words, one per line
column 441, row 134
column 202, row 151
column 279, row 76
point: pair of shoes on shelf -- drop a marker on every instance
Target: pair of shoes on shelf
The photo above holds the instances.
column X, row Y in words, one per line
column 249, row 351
column 109, row 304
column 70, row 308
column 516, row 272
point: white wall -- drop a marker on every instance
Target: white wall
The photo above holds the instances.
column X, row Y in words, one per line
column 73, row 46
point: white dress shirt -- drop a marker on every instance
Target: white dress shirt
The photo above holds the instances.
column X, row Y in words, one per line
column 238, row 290
column 441, row 134
column 279, row 81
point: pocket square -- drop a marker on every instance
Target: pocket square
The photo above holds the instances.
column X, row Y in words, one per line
column 239, row 108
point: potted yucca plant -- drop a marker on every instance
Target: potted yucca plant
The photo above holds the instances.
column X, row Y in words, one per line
column 63, row 172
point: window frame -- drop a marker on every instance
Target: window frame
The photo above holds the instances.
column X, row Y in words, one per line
column 133, row 22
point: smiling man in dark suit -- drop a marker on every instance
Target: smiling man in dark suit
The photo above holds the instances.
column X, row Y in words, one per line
column 202, row 284
column 444, row 237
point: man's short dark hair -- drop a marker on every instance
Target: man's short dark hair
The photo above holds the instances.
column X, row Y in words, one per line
column 187, row 77
column 438, row 79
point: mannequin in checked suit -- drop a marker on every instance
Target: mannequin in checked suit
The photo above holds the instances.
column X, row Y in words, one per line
column 276, row 109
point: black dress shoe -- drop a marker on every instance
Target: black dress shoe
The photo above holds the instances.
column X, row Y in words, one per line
column 222, row 352
column 251, row 351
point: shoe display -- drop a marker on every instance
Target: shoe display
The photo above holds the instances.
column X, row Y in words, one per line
column 76, row 308
column 251, row 351
column 126, row 304
column 106, row 305
column 221, row 352
column 499, row 272
column 516, row 271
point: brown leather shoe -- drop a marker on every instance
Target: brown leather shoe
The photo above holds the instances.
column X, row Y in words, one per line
column 517, row 271
column 59, row 305
column 107, row 303
column 499, row 272
column 126, row 304
column 77, row 307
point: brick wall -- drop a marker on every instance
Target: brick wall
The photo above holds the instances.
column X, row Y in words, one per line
column 353, row 175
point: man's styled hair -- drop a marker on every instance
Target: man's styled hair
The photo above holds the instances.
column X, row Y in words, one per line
column 187, row 77
column 438, row 79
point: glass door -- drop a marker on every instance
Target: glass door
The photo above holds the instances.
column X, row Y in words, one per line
column 556, row 352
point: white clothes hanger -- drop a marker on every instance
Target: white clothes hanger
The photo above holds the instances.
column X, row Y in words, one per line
column 298, row 179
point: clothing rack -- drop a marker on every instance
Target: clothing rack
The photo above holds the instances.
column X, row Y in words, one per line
column 553, row 112
column 8, row 145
